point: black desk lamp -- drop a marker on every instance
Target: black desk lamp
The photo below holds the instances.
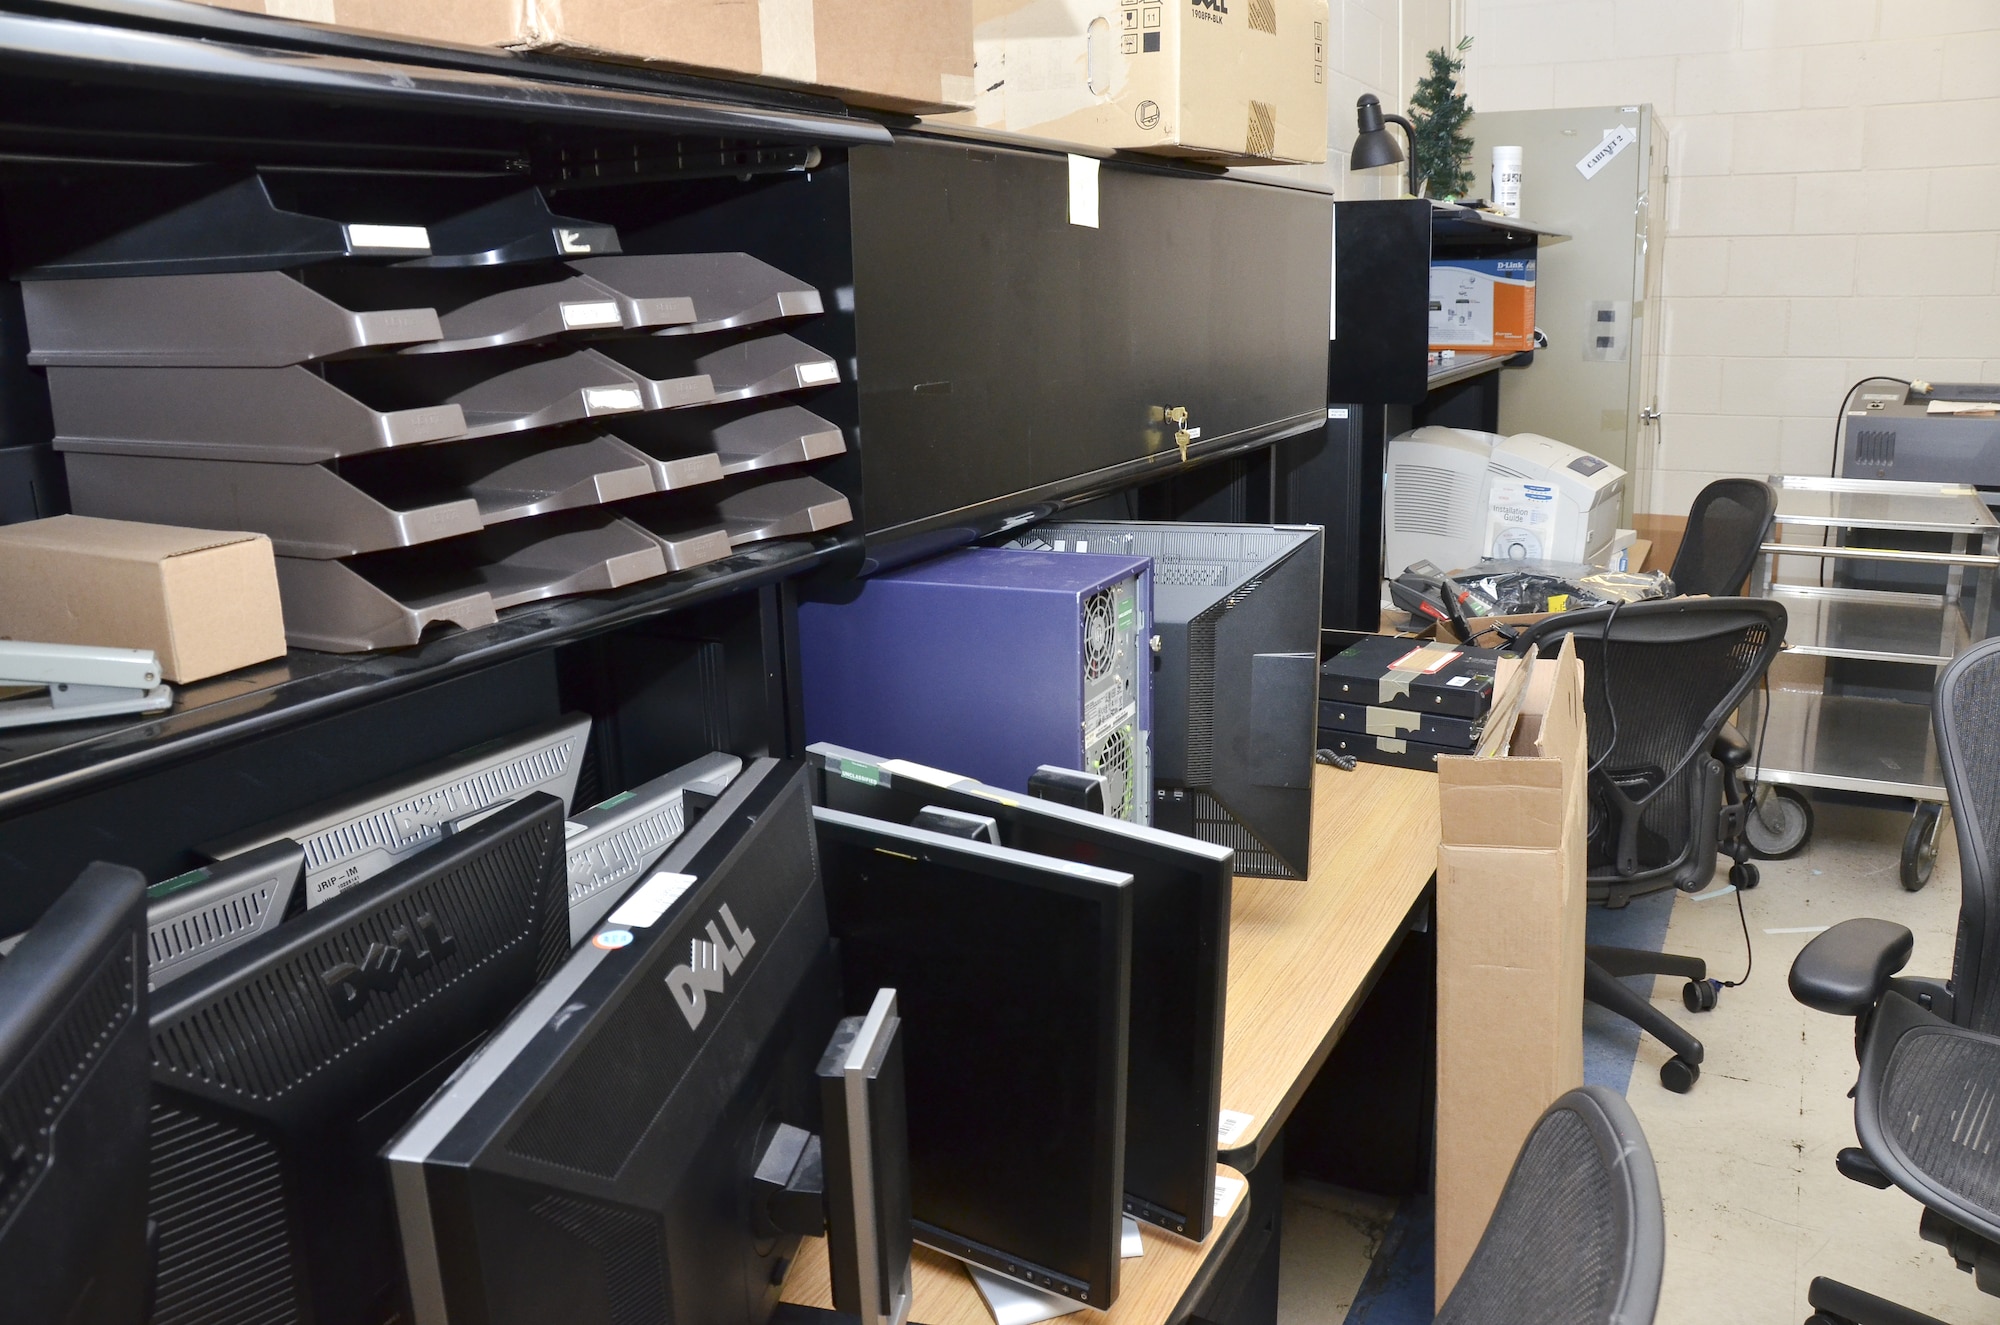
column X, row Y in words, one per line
column 1376, row 146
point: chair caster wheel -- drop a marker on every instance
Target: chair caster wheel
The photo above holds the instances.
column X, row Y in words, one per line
column 1679, row 1075
column 1744, row 875
column 1701, row 995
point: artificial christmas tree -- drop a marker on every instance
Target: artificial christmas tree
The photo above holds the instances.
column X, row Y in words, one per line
column 1439, row 112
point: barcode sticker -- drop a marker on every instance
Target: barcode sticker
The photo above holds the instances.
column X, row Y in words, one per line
column 1231, row 1125
column 1459, row 681
column 644, row 905
column 1226, row 1190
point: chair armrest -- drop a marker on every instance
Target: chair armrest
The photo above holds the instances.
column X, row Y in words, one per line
column 1731, row 747
column 1845, row 970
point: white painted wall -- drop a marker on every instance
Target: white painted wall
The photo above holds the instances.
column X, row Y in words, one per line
column 1833, row 198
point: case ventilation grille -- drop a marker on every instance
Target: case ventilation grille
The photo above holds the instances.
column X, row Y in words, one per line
column 1876, row 447
column 1264, row 17
column 416, row 820
column 41, row 1087
column 1426, row 500
column 235, row 1042
column 627, row 1245
column 1262, row 134
column 1114, row 760
column 1214, row 823
column 191, row 933
column 217, row 1198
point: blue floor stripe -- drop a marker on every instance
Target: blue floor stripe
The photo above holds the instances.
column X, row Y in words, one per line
column 1399, row 1287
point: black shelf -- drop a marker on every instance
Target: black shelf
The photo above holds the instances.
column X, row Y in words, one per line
column 42, row 764
column 1456, row 226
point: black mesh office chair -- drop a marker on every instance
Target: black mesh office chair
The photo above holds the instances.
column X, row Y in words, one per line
column 1929, row 1050
column 1660, row 681
column 1728, row 523
column 1578, row 1237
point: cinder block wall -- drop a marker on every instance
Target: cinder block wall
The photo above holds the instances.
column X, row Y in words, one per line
column 1833, row 198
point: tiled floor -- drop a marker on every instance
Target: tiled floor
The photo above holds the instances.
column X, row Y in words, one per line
column 1754, row 1206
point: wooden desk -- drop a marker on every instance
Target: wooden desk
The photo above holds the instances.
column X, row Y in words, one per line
column 1302, row 956
column 1162, row 1285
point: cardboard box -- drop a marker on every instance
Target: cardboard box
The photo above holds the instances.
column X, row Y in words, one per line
column 1483, row 304
column 1510, row 913
column 205, row 601
column 1233, row 82
column 912, row 56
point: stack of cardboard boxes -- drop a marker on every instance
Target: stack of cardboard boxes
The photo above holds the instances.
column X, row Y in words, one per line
column 1221, row 81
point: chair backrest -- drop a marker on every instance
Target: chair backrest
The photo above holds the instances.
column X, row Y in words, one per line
column 1727, row 524
column 1579, row 1236
column 1966, row 715
column 1656, row 693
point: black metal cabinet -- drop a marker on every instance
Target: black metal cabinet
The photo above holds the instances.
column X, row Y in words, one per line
column 1010, row 360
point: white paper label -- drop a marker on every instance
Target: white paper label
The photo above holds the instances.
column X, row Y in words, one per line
column 1231, row 1124
column 1600, row 156
column 1225, row 1194
column 610, row 399
column 644, row 905
column 814, row 374
column 398, row 238
column 1083, row 190
column 596, row 313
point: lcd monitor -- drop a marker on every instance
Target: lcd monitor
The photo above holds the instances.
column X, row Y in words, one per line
column 613, row 843
column 866, row 1148
column 1180, row 959
column 281, row 1067
column 352, row 838
column 1012, row 975
column 73, row 1108
column 596, row 1162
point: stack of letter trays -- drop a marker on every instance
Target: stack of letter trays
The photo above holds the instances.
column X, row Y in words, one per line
column 433, row 423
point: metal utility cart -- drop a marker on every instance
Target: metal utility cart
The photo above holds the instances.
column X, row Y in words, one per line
column 1876, row 746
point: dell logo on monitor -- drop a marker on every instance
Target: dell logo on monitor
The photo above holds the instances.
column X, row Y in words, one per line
column 710, row 962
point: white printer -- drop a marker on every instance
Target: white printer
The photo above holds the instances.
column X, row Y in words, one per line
column 1549, row 501
column 1434, row 497
column 1454, row 496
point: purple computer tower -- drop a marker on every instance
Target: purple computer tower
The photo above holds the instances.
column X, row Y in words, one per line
column 990, row 662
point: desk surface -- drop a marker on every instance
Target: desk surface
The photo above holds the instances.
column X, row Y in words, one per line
column 1302, row 955
column 1158, row 1286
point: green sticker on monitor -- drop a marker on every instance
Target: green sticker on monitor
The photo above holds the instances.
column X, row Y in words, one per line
column 856, row 771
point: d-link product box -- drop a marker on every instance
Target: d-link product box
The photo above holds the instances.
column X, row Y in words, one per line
column 1483, row 304
column 1232, row 82
column 205, row 601
column 902, row 55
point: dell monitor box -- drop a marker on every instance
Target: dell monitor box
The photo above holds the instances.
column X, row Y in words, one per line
column 992, row 662
column 1235, row 702
column 595, row 1162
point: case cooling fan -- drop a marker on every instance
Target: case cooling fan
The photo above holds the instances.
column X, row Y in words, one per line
column 1099, row 635
column 1114, row 761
